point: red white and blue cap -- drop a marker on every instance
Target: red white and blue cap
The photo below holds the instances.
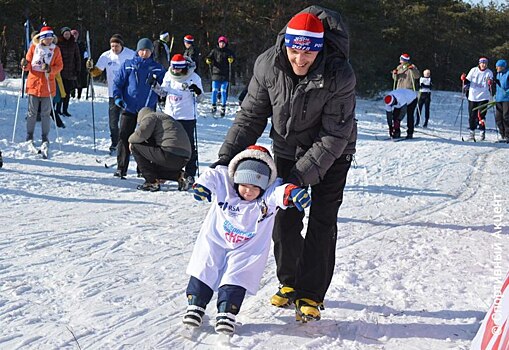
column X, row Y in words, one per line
column 178, row 61
column 304, row 32
column 390, row 100
column 483, row 60
column 404, row 57
column 189, row 38
column 46, row 32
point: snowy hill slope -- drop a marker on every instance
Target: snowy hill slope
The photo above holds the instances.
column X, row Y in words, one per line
column 85, row 255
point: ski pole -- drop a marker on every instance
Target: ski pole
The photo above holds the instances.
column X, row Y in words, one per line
column 229, row 79
column 91, row 81
column 461, row 108
column 17, row 106
column 196, row 135
column 46, row 74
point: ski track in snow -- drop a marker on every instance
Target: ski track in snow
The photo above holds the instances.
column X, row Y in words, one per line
column 85, row 255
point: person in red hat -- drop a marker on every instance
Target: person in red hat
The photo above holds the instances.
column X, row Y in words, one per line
column 398, row 104
column 405, row 74
column 220, row 60
column 43, row 61
column 306, row 86
column 192, row 51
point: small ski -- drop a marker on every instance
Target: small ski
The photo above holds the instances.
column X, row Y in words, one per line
column 190, row 332
column 31, row 147
column 224, row 339
column 106, row 164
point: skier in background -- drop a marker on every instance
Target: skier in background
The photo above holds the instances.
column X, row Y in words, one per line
column 82, row 81
column 231, row 250
column 132, row 91
column 183, row 89
column 220, row 60
column 399, row 103
column 43, row 61
column 161, row 52
column 111, row 61
column 405, row 73
column 72, row 67
column 502, row 100
column 193, row 52
column 478, row 83
column 424, row 98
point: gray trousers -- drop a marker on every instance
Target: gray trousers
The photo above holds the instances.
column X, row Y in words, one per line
column 34, row 103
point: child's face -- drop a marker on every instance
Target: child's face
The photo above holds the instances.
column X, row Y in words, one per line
column 249, row 192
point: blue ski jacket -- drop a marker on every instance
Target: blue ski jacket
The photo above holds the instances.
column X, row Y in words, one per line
column 502, row 94
column 131, row 83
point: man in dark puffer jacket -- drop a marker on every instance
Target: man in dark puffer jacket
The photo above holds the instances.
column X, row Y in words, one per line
column 306, row 83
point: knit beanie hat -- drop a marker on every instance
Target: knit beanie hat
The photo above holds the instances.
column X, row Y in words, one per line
column 253, row 166
column 46, row 32
column 144, row 44
column 64, row 29
column 223, row 39
column 178, row 61
column 390, row 100
column 501, row 63
column 189, row 39
column 117, row 38
column 304, row 32
column 164, row 36
column 404, row 57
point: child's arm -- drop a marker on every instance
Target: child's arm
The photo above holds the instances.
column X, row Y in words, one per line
column 207, row 184
column 288, row 195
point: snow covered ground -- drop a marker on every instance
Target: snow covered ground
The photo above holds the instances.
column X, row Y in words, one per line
column 87, row 261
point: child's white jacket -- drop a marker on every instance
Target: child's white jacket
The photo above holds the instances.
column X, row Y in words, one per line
column 234, row 241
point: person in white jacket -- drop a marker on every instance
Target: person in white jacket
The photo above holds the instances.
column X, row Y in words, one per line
column 111, row 61
column 398, row 103
column 478, row 83
column 183, row 89
column 232, row 247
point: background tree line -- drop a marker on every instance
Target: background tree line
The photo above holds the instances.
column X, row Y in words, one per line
column 445, row 36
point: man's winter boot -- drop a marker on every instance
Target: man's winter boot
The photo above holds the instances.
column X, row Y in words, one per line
column 307, row 310
column 147, row 186
column 194, row 312
column 185, row 182
column 482, row 135
column 471, row 136
column 214, row 109
column 225, row 318
column 284, row 297
column 223, row 111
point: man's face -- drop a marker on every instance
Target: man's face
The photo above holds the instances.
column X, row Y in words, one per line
column 483, row 65
column 301, row 60
column 187, row 45
column 144, row 53
column 116, row 48
column 67, row 35
column 47, row 41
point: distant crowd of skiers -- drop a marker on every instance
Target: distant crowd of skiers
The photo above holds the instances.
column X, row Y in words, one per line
column 479, row 85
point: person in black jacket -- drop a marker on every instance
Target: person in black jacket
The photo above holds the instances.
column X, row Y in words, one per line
column 306, row 84
column 220, row 60
column 192, row 51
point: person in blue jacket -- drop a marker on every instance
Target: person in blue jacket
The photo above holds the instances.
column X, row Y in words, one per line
column 132, row 90
column 502, row 100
